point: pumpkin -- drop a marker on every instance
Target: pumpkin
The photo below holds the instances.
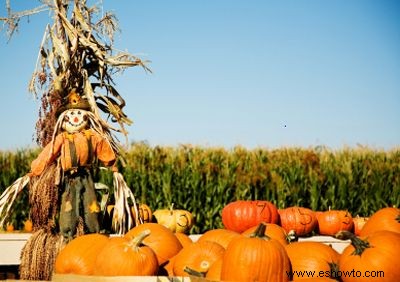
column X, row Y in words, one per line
column 145, row 213
column 167, row 268
column 79, row 255
column 272, row 230
column 384, row 219
column 123, row 256
column 10, row 227
column 241, row 215
column 310, row 256
column 376, row 254
column 332, row 221
column 214, row 272
column 28, row 225
column 161, row 239
column 184, row 239
column 302, row 221
column 220, row 236
column 175, row 220
column 255, row 258
column 197, row 257
column 359, row 222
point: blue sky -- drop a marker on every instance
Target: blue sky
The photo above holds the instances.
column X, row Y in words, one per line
column 251, row 73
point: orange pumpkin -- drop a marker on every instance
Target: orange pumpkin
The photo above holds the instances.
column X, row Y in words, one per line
column 220, row 236
column 375, row 254
column 255, row 258
column 214, row 272
column 10, row 227
column 272, row 230
column 241, row 215
column 312, row 257
column 145, row 213
column 198, row 256
column 298, row 219
column 167, row 268
column 359, row 222
column 184, row 239
column 332, row 221
column 123, row 256
column 384, row 219
column 162, row 240
column 28, row 225
column 79, row 255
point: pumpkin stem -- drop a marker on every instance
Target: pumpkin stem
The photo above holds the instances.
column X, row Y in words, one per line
column 193, row 272
column 359, row 244
column 260, row 232
column 137, row 240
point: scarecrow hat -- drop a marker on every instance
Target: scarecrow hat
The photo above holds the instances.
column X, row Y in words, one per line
column 74, row 101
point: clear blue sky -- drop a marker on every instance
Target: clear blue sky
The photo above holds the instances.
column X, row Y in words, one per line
column 252, row 73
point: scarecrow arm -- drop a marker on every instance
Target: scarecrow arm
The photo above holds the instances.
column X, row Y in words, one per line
column 47, row 156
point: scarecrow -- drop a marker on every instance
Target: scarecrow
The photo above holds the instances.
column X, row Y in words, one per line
column 75, row 150
column 80, row 111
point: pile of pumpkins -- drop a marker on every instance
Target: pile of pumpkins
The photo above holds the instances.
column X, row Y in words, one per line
column 255, row 245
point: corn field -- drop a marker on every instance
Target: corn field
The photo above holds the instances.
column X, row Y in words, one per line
column 204, row 179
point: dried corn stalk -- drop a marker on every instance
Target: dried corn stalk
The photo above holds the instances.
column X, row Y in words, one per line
column 77, row 52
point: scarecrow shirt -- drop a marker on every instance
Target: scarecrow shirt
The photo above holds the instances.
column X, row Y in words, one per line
column 74, row 150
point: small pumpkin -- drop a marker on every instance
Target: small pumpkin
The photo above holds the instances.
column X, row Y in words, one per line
column 28, row 225
column 79, row 255
column 298, row 219
column 377, row 252
column 332, row 221
column 387, row 218
column 220, row 236
column 307, row 256
column 241, row 215
column 359, row 222
column 145, row 213
column 246, row 258
column 10, row 227
column 123, row 256
column 198, row 256
column 161, row 239
column 273, row 231
column 176, row 220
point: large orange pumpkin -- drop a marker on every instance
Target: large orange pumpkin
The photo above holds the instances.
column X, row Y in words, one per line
column 308, row 257
column 384, row 219
column 298, row 219
column 184, row 239
column 162, row 240
column 241, row 215
column 272, row 230
column 255, row 258
column 371, row 258
column 198, row 256
column 332, row 221
column 123, row 256
column 220, row 236
column 79, row 255
column 214, row 272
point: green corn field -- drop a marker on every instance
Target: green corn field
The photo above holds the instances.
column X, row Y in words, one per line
column 204, row 179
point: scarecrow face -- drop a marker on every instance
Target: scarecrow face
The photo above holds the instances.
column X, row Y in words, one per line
column 75, row 120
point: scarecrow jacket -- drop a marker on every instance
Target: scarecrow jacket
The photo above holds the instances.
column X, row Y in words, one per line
column 75, row 150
